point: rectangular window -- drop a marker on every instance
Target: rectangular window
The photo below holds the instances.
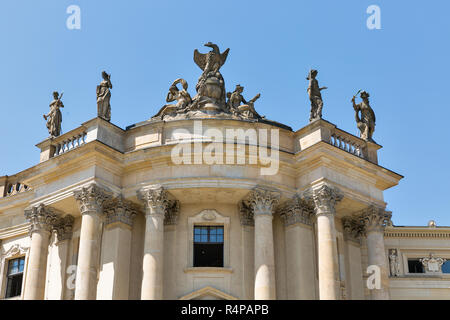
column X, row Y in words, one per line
column 14, row 277
column 446, row 267
column 208, row 246
column 415, row 266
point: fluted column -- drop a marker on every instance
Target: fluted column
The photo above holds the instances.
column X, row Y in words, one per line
column 297, row 216
column 324, row 199
column 42, row 220
column 114, row 280
column 262, row 203
column 90, row 200
column 375, row 220
column 156, row 205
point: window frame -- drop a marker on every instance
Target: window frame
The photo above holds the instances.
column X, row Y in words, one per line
column 208, row 217
column 14, row 252
column 8, row 276
column 219, row 244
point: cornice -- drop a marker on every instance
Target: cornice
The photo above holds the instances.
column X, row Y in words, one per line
column 417, row 232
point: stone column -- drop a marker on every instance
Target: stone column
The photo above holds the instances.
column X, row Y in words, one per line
column 64, row 230
column 114, row 280
column 90, row 200
column 375, row 220
column 299, row 249
column 156, row 205
column 42, row 220
column 262, row 203
column 248, row 246
column 324, row 199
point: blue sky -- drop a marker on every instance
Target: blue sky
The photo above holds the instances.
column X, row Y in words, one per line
column 145, row 45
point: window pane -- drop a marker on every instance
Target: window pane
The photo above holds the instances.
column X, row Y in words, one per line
column 21, row 264
column 204, row 238
column 204, row 231
column 14, row 286
column 415, row 266
column 220, row 230
column 212, row 238
column 446, row 267
column 196, row 238
column 220, row 238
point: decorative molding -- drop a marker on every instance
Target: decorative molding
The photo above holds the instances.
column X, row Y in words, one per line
column 262, row 201
column 14, row 251
column 91, row 198
column 433, row 264
column 296, row 210
column 207, row 291
column 324, row 198
column 41, row 218
column 416, row 232
column 120, row 210
column 64, row 227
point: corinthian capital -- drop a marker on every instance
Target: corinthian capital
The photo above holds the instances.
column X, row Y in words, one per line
column 353, row 228
column 324, row 199
column 155, row 200
column 172, row 212
column 262, row 201
column 91, row 198
column 375, row 219
column 64, row 227
column 246, row 213
column 120, row 210
column 41, row 217
column 295, row 211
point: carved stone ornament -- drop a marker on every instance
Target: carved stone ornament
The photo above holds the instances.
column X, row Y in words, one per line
column 155, row 200
column 172, row 212
column 262, row 201
column 353, row 228
column 324, row 199
column 64, row 227
column 14, row 251
column 432, row 263
column 120, row 210
column 394, row 263
column 297, row 210
column 91, row 198
column 246, row 213
column 41, row 218
column 375, row 219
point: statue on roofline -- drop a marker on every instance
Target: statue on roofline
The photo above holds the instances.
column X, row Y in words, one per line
column 315, row 96
column 245, row 110
column 365, row 122
column 54, row 117
column 104, row 97
column 182, row 97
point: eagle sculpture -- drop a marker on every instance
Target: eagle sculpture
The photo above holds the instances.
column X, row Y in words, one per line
column 212, row 60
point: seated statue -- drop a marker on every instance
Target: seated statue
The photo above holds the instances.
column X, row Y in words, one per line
column 182, row 97
column 245, row 110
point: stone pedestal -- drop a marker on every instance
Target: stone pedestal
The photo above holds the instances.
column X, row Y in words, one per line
column 262, row 203
column 42, row 220
column 90, row 200
column 324, row 199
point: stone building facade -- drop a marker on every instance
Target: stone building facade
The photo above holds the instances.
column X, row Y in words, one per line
column 107, row 214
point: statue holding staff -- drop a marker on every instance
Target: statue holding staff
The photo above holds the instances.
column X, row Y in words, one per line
column 365, row 122
column 103, row 97
column 54, row 117
column 315, row 96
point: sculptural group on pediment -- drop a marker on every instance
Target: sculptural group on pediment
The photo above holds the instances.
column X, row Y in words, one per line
column 211, row 98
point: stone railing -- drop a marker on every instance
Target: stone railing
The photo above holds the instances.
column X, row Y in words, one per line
column 69, row 142
column 347, row 142
column 10, row 186
column 324, row 131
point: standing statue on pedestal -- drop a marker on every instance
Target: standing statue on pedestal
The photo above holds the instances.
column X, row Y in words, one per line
column 103, row 97
column 210, row 87
column 365, row 122
column 315, row 96
column 54, row 117
column 394, row 263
